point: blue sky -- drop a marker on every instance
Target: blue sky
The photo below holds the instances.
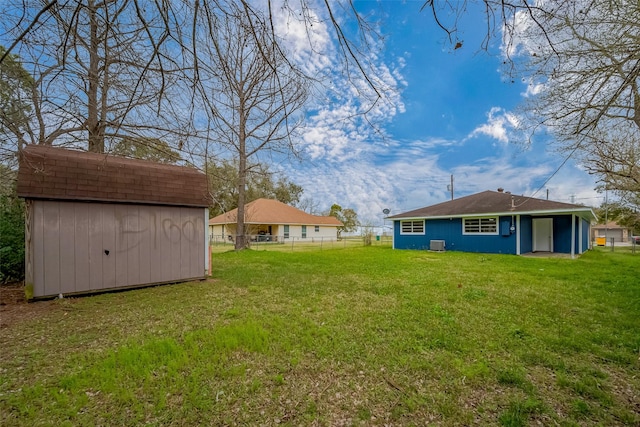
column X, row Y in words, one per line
column 454, row 116
column 451, row 113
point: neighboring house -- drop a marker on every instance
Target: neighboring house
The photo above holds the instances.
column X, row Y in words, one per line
column 96, row 222
column 611, row 231
column 271, row 220
column 496, row 222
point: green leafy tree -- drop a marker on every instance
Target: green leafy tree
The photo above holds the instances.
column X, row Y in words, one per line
column 11, row 229
column 143, row 148
column 348, row 217
column 16, row 85
column 621, row 214
column 263, row 184
column 260, row 183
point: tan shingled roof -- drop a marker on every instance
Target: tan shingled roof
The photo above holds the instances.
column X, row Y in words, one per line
column 57, row 173
column 267, row 211
column 608, row 225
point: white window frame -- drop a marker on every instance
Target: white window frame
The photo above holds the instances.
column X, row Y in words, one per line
column 415, row 224
column 317, row 228
column 480, row 232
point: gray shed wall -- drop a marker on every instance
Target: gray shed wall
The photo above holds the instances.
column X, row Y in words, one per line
column 81, row 247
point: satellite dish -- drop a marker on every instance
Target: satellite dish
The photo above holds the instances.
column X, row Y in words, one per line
column 385, row 211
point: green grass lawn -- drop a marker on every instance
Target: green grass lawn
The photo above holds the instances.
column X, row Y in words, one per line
column 356, row 336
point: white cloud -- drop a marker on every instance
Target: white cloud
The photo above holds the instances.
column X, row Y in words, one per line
column 500, row 172
column 498, row 126
column 397, row 176
column 531, row 172
column 365, row 187
column 407, row 175
column 305, row 35
column 343, row 139
column 349, row 119
column 533, row 89
column 354, row 165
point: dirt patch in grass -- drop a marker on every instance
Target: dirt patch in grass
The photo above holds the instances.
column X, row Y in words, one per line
column 15, row 309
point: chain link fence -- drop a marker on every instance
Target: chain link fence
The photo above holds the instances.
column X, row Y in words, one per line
column 266, row 242
column 633, row 244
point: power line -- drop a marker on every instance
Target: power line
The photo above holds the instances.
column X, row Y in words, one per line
column 566, row 159
column 557, row 170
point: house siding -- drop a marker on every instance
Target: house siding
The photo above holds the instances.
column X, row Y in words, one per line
column 526, row 234
column 450, row 230
column 562, row 234
column 325, row 232
column 443, row 221
column 295, row 232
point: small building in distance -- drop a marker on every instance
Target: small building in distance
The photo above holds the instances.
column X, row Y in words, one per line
column 272, row 220
column 611, row 232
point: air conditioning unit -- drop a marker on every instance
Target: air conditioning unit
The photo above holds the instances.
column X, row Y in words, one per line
column 436, row 245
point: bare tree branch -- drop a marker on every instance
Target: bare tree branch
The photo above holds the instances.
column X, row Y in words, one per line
column 26, row 31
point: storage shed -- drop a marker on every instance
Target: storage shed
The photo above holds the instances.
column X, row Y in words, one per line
column 96, row 222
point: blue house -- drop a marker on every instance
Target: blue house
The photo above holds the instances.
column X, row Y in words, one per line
column 496, row 222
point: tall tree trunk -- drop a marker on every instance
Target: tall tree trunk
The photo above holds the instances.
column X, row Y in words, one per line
column 241, row 238
column 636, row 104
column 96, row 140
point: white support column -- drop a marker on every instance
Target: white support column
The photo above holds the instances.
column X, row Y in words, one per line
column 580, row 242
column 518, row 241
column 393, row 233
column 573, row 236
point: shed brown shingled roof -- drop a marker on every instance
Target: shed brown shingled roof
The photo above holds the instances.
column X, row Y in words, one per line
column 493, row 202
column 57, row 173
column 268, row 211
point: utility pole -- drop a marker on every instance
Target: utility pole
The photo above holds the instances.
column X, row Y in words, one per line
column 450, row 187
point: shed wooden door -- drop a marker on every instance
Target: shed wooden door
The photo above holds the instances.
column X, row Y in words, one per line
column 543, row 235
column 82, row 247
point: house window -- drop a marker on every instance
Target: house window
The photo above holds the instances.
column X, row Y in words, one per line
column 317, row 228
column 412, row 227
column 480, row 225
column 286, row 231
column 304, row 231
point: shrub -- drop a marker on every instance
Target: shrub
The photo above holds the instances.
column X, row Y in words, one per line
column 11, row 238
